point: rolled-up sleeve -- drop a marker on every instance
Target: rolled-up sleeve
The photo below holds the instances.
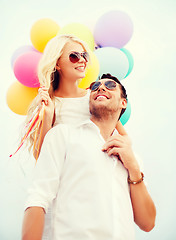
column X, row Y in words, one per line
column 48, row 169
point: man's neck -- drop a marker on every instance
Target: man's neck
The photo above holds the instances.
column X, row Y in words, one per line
column 106, row 126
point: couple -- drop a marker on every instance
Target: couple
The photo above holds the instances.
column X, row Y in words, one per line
column 90, row 175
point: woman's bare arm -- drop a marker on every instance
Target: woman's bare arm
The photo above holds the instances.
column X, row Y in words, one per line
column 48, row 120
column 33, row 223
column 120, row 128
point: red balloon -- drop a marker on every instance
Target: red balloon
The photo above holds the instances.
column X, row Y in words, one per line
column 25, row 69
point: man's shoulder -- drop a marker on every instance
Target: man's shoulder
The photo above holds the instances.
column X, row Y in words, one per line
column 59, row 129
column 66, row 129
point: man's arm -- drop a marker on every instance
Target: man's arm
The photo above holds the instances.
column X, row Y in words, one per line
column 143, row 206
column 33, row 223
column 45, row 184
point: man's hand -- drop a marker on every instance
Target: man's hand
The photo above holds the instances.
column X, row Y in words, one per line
column 120, row 146
column 143, row 206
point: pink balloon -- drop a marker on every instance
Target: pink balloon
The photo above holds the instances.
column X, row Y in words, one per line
column 21, row 50
column 25, row 69
column 113, row 29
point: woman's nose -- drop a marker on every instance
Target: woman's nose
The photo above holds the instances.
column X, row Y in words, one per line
column 82, row 59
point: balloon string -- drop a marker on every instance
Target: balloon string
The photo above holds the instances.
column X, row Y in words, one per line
column 41, row 120
column 31, row 124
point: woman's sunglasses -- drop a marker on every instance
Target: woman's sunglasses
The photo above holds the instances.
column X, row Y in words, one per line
column 76, row 56
column 109, row 84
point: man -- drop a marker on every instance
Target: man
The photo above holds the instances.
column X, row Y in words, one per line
column 90, row 176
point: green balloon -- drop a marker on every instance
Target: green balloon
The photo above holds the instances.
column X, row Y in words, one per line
column 125, row 117
column 130, row 60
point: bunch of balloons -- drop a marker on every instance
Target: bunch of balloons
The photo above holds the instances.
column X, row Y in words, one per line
column 111, row 33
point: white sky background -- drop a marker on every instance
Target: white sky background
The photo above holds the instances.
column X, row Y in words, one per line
column 150, row 86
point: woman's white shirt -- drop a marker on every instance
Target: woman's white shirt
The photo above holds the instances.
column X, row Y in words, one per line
column 72, row 110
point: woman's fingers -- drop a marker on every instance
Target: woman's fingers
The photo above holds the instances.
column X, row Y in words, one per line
column 44, row 95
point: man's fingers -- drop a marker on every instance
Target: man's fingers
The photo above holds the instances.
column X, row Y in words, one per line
column 117, row 137
column 113, row 151
column 112, row 143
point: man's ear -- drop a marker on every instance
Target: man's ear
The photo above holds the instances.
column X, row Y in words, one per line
column 58, row 68
column 124, row 103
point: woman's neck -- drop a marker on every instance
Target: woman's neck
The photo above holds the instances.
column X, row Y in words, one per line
column 69, row 89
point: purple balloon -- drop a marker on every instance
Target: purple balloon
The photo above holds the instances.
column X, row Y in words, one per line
column 113, row 29
column 21, row 50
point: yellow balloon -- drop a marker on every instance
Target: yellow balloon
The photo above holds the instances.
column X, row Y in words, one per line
column 92, row 72
column 80, row 31
column 19, row 97
column 42, row 31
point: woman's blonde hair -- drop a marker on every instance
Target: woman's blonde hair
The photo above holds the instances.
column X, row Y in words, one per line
column 47, row 74
column 51, row 54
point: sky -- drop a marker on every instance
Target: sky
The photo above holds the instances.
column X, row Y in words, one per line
column 150, row 87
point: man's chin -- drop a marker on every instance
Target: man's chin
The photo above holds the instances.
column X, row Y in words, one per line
column 100, row 110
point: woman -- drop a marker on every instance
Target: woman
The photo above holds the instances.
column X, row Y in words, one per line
column 62, row 65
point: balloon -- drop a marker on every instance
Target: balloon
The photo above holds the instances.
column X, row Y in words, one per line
column 80, row 31
column 130, row 60
column 112, row 61
column 92, row 72
column 42, row 31
column 19, row 97
column 113, row 29
column 19, row 51
column 25, row 69
column 126, row 115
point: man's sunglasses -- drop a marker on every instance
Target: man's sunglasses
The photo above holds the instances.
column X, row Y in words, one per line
column 76, row 56
column 109, row 84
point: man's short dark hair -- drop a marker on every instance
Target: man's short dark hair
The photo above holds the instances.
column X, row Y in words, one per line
column 122, row 88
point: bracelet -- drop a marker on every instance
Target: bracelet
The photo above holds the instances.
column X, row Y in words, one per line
column 136, row 182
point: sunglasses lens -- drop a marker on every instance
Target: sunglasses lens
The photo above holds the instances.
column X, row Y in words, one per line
column 110, row 84
column 85, row 56
column 94, row 86
column 74, row 57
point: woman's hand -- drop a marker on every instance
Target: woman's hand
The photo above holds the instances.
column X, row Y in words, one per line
column 43, row 96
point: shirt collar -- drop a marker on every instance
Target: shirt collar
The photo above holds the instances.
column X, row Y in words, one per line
column 89, row 122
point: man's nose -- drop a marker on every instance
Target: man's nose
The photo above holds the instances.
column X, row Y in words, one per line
column 101, row 87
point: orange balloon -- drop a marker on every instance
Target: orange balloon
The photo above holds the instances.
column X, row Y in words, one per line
column 42, row 31
column 19, row 97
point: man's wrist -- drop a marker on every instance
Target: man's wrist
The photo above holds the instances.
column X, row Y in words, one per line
column 134, row 174
column 136, row 180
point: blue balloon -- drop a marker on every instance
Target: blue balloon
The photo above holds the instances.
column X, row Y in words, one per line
column 130, row 60
column 125, row 117
column 112, row 60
